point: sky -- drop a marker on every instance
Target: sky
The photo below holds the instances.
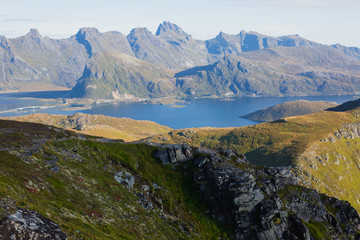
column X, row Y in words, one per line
column 324, row 21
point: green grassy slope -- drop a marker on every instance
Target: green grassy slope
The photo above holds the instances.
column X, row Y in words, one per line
column 271, row 144
column 69, row 178
column 98, row 125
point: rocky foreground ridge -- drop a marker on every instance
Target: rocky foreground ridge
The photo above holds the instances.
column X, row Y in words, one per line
column 263, row 203
column 55, row 182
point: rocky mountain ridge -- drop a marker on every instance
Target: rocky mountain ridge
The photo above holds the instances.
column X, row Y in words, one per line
column 34, row 62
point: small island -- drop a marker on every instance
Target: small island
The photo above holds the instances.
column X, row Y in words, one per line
column 289, row 109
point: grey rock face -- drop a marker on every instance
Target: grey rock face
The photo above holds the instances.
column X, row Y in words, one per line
column 125, row 178
column 348, row 131
column 25, row 224
column 76, row 121
column 174, row 153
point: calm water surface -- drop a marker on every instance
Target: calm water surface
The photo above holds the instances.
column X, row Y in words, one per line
column 197, row 113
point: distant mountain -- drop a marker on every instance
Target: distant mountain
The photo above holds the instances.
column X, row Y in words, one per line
column 289, row 109
column 96, row 42
column 280, row 66
column 281, row 71
column 225, row 44
column 170, row 47
column 36, row 60
column 117, row 75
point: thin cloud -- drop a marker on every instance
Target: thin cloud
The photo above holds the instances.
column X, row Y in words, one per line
column 10, row 34
column 21, row 20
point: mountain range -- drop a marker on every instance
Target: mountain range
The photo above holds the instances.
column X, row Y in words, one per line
column 173, row 63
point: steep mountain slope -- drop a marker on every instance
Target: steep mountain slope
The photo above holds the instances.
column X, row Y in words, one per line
column 96, row 189
column 98, row 125
column 289, row 109
column 117, row 75
column 321, row 147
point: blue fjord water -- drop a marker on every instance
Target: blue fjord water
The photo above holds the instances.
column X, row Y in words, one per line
column 196, row 113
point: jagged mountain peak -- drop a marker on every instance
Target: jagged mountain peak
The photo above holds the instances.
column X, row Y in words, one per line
column 88, row 31
column 222, row 35
column 225, row 37
column 34, row 33
column 168, row 27
column 140, row 31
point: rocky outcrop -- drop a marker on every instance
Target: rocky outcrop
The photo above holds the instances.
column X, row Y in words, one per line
column 25, row 224
column 125, row 178
column 77, row 121
column 174, row 153
column 262, row 203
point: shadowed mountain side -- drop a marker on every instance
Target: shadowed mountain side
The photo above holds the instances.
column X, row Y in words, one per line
column 288, row 109
column 98, row 125
column 347, row 106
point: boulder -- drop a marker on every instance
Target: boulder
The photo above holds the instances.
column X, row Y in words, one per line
column 25, row 224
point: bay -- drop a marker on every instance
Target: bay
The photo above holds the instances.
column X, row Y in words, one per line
column 194, row 113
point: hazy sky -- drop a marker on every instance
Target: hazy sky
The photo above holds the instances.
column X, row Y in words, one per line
column 325, row 21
